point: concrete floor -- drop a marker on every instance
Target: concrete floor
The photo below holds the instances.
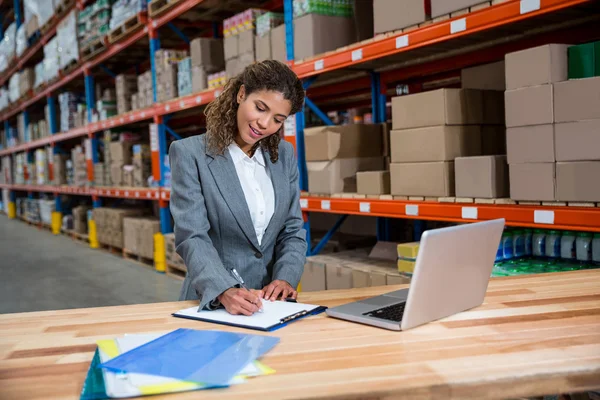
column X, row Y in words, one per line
column 40, row 271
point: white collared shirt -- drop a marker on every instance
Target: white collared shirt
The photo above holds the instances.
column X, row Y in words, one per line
column 255, row 179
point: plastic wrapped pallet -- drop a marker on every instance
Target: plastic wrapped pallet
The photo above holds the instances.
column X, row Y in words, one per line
column 184, row 77
column 51, row 59
column 40, row 74
column 4, row 100
column 21, row 40
column 42, row 9
column 41, row 167
column 66, row 33
column 47, row 207
column 93, row 22
column 125, row 9
column 267, row 21
column 67, row 103
column 14, row 90
column 9, row 45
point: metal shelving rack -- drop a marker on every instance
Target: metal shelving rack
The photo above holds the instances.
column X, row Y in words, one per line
column 364, row 71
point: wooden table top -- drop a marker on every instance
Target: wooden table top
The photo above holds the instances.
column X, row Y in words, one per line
column 534, row 335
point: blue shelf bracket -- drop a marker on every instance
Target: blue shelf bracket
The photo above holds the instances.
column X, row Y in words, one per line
column 317, row 249
column 178, row 32
column 53, row 126
column 18, row 13
column 288, row 18
column 171, row 132
column 90, row 95
column 108, row 71
column 154, row 47
column 26, row 134
column 318, row 112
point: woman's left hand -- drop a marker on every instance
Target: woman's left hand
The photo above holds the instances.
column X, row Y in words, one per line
column 279, row 288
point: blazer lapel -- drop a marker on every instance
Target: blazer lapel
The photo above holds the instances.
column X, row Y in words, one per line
column 280, row 189
column 223, row 170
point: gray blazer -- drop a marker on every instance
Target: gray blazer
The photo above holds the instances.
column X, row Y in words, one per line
column 213, row 229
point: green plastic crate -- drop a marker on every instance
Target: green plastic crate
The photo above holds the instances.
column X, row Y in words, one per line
column 584, row 60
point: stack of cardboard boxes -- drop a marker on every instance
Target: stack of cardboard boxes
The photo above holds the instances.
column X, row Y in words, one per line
column 430, row 130
column 100, row 175
column 109, row 224
column 173, row 259
column 144, row 97
column 265, row 24
column 238, row 45
column 26, row 80
column 206, row 57
column 120, row 155
column 59, row 170
column 142, row 165
column 126, row 86
column 80, row 177
column 80, row 217
column 391, row 15
column 334, row 155
column 553, row 136
column 166, row 72
column 138, row 235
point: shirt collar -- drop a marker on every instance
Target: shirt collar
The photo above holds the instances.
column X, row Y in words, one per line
column 238, row 154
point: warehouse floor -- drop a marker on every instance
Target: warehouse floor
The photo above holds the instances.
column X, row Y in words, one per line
column 41, row 271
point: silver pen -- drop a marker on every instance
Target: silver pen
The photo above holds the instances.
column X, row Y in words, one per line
column 238, row 278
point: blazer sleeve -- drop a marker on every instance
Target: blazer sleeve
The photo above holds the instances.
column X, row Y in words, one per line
column 290, row 245
column 209, row 277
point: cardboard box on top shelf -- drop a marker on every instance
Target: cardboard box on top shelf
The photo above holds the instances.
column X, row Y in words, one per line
column 346, row 141
column 338, row 276
column 578, row 141
column 577, row 100
column 536, row 66
column 438, row 107
column 486, row 77
column 530, row 144
column 278, row 48
column 339, row 175
column 532, row 181
column 316, row 34
column 578, row 181
column 441, row 7
column 246, row 42
column 116, row 174
column 232, row 67
column 120, row 152
column 313, row 277
column 391, row 15
column 208, row 53
column 230, row 47
column 263, row 47
column 199, row 79
column 244, row 60
column 422, row 179
column 493, row 140
column 529, row 106
column 435, row 143
column 373, row 182
column 484, row 176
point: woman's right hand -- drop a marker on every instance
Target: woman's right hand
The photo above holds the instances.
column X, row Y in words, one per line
column 240, row 301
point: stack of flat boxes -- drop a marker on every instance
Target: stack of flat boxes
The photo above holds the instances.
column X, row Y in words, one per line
column 138, row 235
column 120, row 156
column 80, row 219
column 142, row 165
column 79, row 166
column 59, row 171
column 206, row 57
column 334, row 155
column 126, row 86
column 239, row 45
column 100, row 175
column 265, row 24
column 144, row 97
column 109, row 224
column 166, row 72
column 172, row 257
column 553, row 136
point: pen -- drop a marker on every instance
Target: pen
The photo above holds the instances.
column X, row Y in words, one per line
column 238, row 278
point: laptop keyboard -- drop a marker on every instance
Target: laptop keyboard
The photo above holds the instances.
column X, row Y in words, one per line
column 391, row 313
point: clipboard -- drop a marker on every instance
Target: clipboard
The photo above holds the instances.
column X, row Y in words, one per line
column 275, row 315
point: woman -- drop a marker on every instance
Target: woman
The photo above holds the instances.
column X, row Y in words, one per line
column 235, row 195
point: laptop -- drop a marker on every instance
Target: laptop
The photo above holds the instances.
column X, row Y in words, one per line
column 451, row 275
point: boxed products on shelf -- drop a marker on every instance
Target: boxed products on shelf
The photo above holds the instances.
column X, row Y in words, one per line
column 142, row 165
column 483, row 177
column 14, row 88
column 41, row 166
column 391, row 15
column 441, row 7
column 66, row 33
column 47, row 207
column 51, row 59
column 485, row 77
column 207, row 53
column 109, row 224
column 217, row 80
column 93, row 23
column 138, row 235
column 373, row 182
column 8, row 46
column 67, row 104
column 122, row 10
column 184, row 77
column 267, row 21
column 59, row 169
column 171, row 251
column 80, row 219
column 120, row 155
column 316, row 34
column 32, row 210
column 244, row 21
column 100, row 175
column 166, row 72
column 278, row 44
column 125, row 86
column 38, row 11
column 79, row 167
column 144, row 95
column 4, row 98
column 342, row 8
column 26, row 80
column 21, row 40
column 40, row 74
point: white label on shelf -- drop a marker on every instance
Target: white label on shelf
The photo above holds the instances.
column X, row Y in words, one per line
column 402, row 41
column 117, row 193
column 146, row 28
column 131, row 117
column 126, row 194
column 325, row 205
column 289, row 126
column 154, row 24
column 157, row 195
column 112, row 123
column 143, row 114
column 319, row 64
column 167, row 107
column 88, row 149
column 528, row 6
column 137, row 194
column 103, row 125
column 153, row 137
column 149, row 195
column 469, row 212
column 198, row 99
column 543, row 217
column 364, row 207
column 181, row 104
column 122, row 120
column 458, row 26
column 357, row 55
column 411, row 209
column 303, row 203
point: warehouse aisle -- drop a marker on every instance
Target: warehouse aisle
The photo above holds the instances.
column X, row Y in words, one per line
column 41, row 271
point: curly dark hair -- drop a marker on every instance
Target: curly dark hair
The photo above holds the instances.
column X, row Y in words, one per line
column 221, row 113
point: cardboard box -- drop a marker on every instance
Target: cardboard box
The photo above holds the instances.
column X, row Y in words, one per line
column 584, row 60
column 397, row 279
column 529, row 106
column 120, row 152
column 486, row 77
column 313, row 277
column 347, row 141
column 208, row 53
column 438, row 107
column 246, row 42
column 373, row 182
column 26, row 80
column 534, row 182
column 578, row 181
column 578, row 141
column 316, row 34
column 484, row 176
column 128, row 179
column 391, row 15
column 530, row 144
column 32, row 26
column 263, row 47
column 493, row 140
column 422, row 179
column 232, row 67
column 577, row 100
column 338, row 276
column 116, row 174
column 536, row 66
column 199, row 79
column 367, row 276
column 278, row 49
column 339, row 175
column 441, row 7
column 131, row 228
column 435, row 143
column 230, row 47
column 244, row 60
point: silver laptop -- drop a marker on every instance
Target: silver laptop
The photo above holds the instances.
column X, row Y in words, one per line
column 451, row 275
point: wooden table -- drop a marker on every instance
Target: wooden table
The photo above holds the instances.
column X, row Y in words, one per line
column 533, row 335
